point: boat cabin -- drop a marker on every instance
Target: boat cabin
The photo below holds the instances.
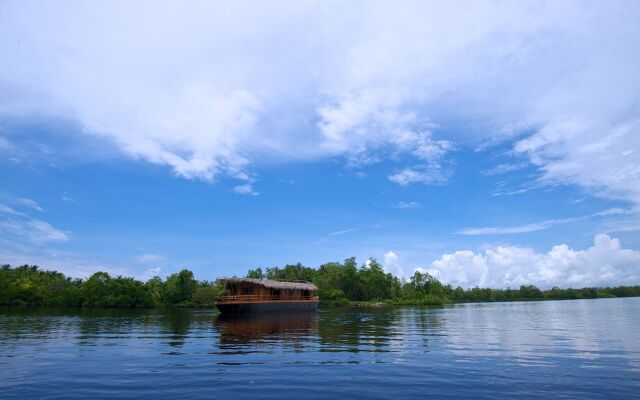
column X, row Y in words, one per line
column 267, row 290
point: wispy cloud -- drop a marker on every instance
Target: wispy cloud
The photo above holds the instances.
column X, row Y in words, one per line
column 33, row 230
column 428, row 175
column 30, row 203
column 5, row 209
column 538, row 226
column 510, row 192
column 505, row 168
column 406, row 205
column 42, row 231
column 153, row 272
column 4, row 144
column 503, row 230
column 21, row 226
column 342, row 232
column 71, row 264
column 246, row 189
column 150, row 258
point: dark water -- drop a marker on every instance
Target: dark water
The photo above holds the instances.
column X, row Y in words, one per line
column 586, row 349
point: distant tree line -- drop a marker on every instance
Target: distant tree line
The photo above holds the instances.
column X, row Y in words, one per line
column 341, row 283
column 30, row 285
column 338, row 283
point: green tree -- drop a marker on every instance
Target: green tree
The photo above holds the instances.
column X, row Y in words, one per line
column 205, row 296
column 255, row 273
column 180, row 288
column 157, row 289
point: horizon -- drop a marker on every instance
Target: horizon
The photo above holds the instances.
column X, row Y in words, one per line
column 491, row 145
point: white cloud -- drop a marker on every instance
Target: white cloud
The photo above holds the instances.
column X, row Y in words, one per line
column 69, row 264
column 427, row 175
column 33, row 230
column 209, row 90
column 603, row 156
column 406, row 205
column 5, row 209
column 246, row 188
column 342, row 232
column 150, row 258
column 153, row 272
column 391, row 264
column 542, row 225
column 606, row 263
column 503, row 230
column 505, row 168
column 4, row 144
column 430, row 152
column 42, row 231
column 30, row 203
column 20, row 226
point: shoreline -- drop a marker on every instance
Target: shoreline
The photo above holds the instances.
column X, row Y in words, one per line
column 322, row 305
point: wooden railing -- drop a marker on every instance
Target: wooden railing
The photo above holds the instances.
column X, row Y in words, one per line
column 257, row 297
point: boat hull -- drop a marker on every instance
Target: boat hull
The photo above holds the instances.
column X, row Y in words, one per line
column 267, row 307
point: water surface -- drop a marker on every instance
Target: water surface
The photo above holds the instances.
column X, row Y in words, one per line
column 587, row 349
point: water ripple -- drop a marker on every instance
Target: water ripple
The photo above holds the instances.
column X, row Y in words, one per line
column 586, row 349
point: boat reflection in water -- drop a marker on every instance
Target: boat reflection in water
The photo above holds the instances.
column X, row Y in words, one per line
column 235, row 329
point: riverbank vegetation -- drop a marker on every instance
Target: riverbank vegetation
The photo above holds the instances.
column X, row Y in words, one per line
column 339, row 284
column 346, row 283
column 32, row 286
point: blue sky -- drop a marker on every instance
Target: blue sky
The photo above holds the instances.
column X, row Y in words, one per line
column 493, row 144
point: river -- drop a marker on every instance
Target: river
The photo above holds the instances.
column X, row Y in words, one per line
column 578, row 349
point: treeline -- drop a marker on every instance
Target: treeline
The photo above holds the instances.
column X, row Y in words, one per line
column 341, row 283
column 338, row 283
column 29, row 285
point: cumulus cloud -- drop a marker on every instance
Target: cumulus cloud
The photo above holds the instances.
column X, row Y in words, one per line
column 391, row 264
column 605, row 263
column 208, row 90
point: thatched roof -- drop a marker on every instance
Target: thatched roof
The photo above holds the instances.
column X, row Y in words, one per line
column 271, row 283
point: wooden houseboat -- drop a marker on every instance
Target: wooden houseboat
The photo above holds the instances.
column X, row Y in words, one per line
column 248, row 295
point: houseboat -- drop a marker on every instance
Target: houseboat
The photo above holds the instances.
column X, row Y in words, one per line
column 248, row 295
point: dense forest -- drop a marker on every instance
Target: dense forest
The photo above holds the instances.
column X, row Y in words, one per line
column 29, row 285
column 338, row 283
